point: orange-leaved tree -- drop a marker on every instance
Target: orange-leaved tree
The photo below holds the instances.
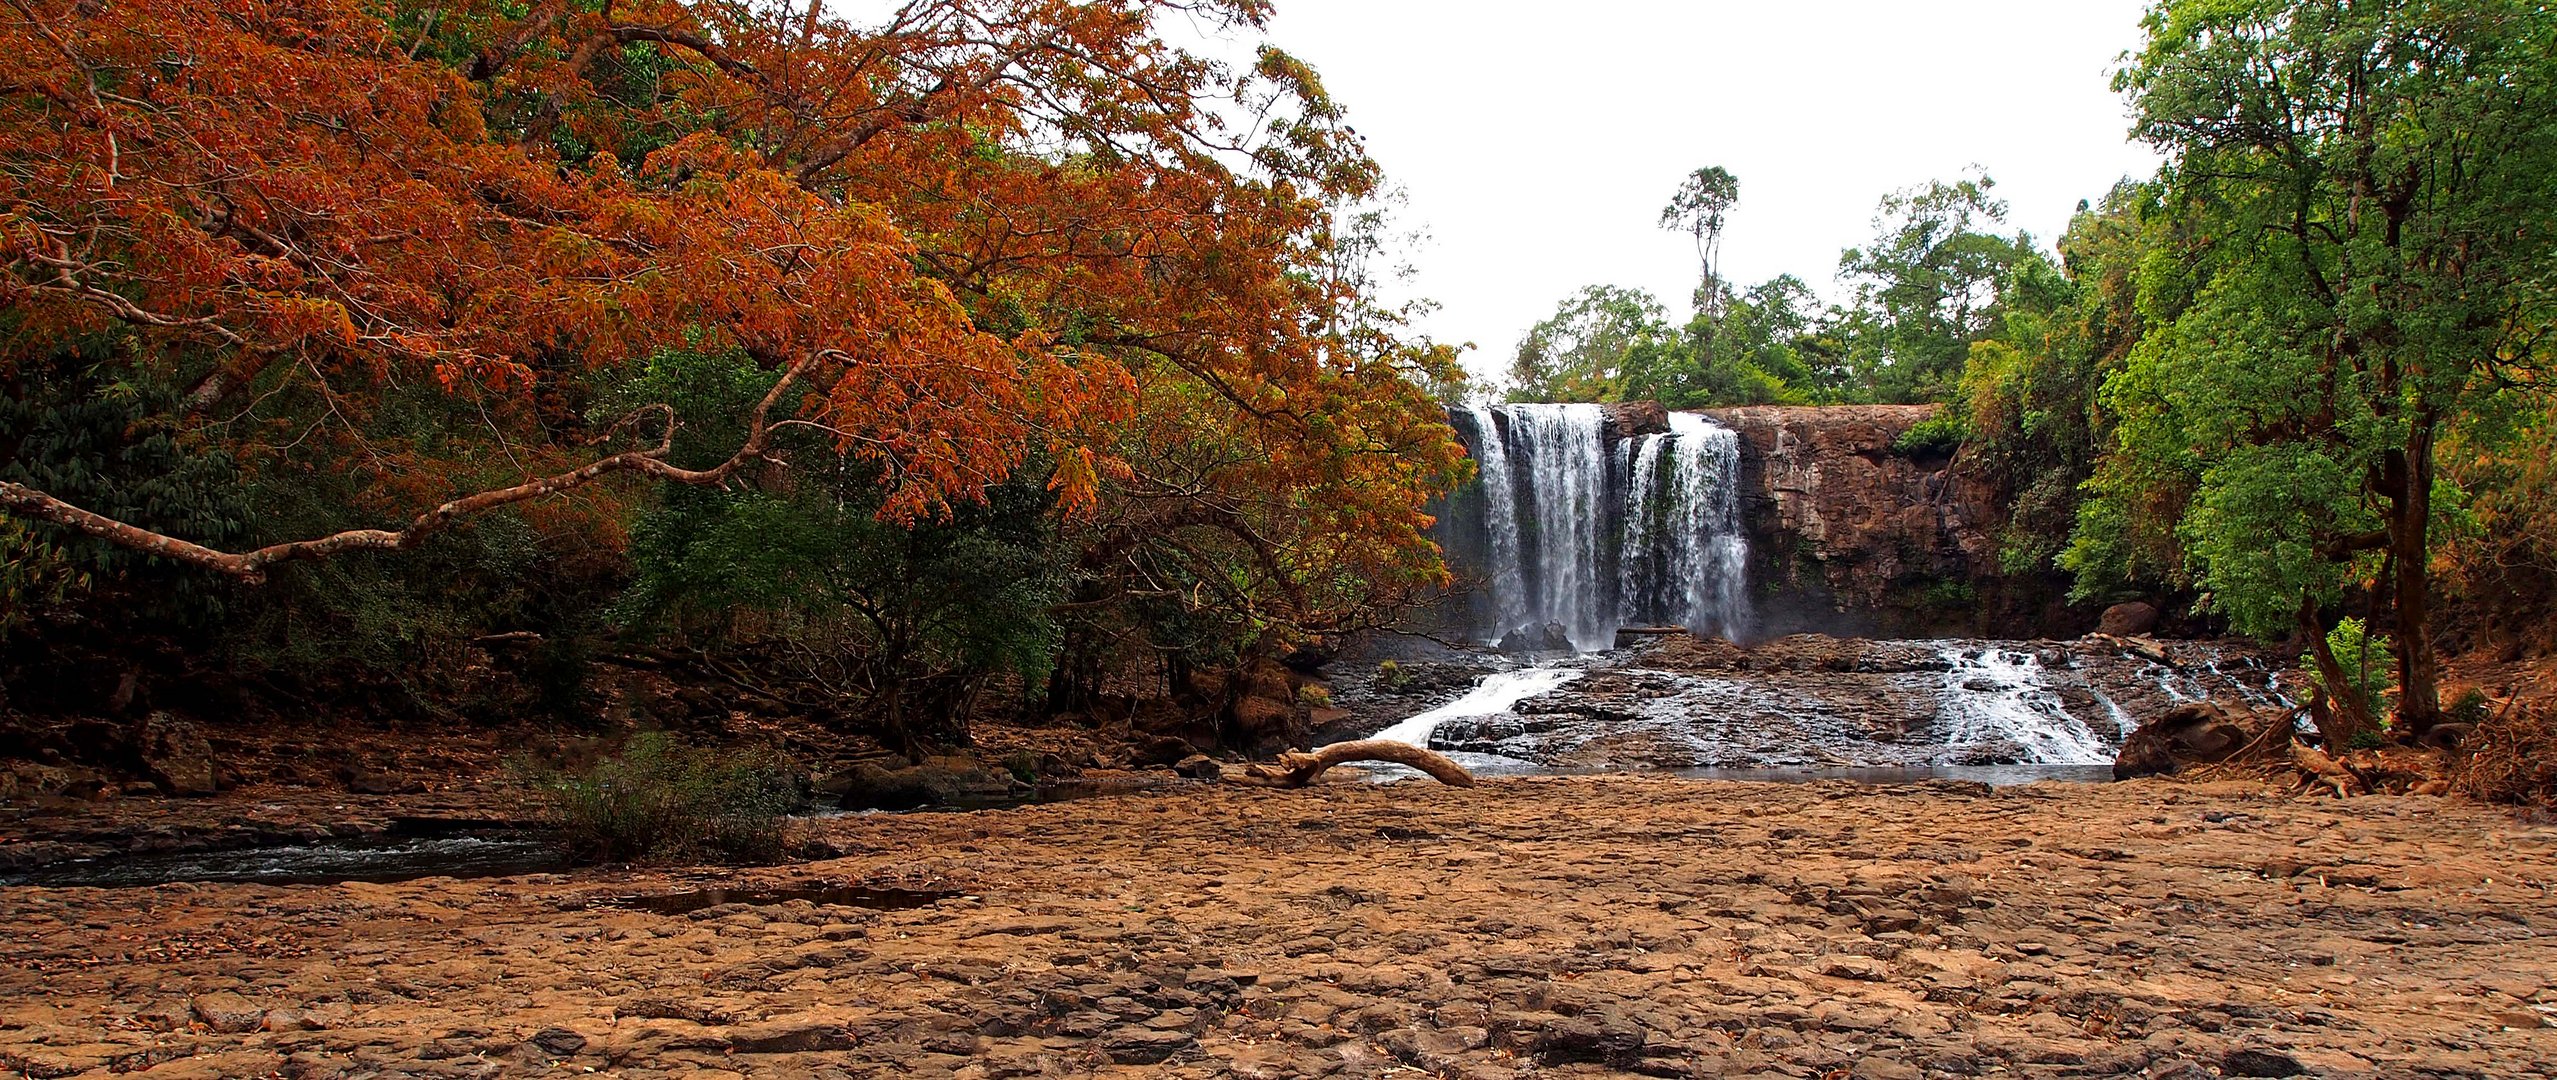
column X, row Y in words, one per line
column 972, row 231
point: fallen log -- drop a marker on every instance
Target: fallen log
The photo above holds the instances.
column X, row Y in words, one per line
column 1298, row 768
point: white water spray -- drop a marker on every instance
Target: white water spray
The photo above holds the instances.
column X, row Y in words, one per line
column 1490, row 697
column 1994, row 695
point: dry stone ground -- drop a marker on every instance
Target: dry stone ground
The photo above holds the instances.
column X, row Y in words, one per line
column 1533, row 927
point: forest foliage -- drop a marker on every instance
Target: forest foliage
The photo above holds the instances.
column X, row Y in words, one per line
column 2296, row 380
column 874, row 368
column 885, row 361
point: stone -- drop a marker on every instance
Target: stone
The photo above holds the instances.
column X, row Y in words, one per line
column 1199, row 767
column 1859, row 968
column 1160, row 751
column 228, row 1013
column 789, row 1038
column 165, row 1016
column 1603, row 1040
column 283, row 1020
column 311, row 1066
column 2260, row 1063
column 1627, row 419
column 2194, row 732
column 1551, row 637
column 2128, row 620
column 557, row 1042
column 175, row 754
column 1144, row 1046
column 374, row 779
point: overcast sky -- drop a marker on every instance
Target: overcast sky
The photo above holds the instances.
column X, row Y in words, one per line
column 1537, row 142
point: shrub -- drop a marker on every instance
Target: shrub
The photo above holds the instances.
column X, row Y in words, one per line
column 2471, row 707
column 1936, row 436
column 665, row 801
column 2511, row 758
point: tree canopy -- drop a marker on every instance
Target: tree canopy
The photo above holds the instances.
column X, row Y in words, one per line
column 377, row 271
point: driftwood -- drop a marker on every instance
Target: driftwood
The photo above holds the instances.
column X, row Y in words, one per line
column 1297, row 768
column 2322, row 769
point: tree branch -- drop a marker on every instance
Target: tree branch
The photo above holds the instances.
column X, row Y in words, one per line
column 251, row 566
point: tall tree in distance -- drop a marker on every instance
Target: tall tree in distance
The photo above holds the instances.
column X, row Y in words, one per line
column 1698, row 210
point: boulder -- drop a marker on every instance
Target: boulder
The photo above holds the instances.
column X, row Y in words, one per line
column 1551, row 637
column 1626, row 419
column 228, row 1013
column 175, row 755
column 1199, row 767
column 557, row 1042
column 2194, row 732
column 373, row 778
column 937, row 780
column 2128, row 620
column 1259, row 716
column 1159, row 750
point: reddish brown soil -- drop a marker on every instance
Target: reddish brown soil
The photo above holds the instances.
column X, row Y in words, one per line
column 1580, row 926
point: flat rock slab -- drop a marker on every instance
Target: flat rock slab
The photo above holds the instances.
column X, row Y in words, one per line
column 1555, row 926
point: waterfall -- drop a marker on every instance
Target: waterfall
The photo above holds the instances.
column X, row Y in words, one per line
column 1588, row 532
column 1708, row 555
column 1500, row 519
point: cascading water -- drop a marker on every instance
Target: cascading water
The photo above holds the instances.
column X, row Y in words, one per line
column 1708, row 556
column 1996, row 699
column 1587, row 533
column 1494, row 695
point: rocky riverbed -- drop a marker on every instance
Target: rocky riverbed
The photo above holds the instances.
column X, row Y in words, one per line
column 1811, row 700
column 1538, row 926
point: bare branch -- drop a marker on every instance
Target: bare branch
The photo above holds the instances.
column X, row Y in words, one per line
column 251, row 566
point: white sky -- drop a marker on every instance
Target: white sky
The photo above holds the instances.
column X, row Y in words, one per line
column 1537, row 142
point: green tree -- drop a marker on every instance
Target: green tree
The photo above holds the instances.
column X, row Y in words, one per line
column 802, row 594
column 2029, row 401
column 1581, row 351
column 2363, row 191
column 1926, row 288
column 1759, row 350
column 1698, row 209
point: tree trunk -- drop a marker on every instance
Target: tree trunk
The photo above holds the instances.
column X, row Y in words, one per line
column 2347, row 715
column 2419, row 704
column 1297, row 769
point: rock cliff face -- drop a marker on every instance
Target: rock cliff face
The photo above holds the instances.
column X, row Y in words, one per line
column 1849, row 535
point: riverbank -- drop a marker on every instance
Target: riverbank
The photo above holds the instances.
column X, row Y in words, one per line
column 1555, row 925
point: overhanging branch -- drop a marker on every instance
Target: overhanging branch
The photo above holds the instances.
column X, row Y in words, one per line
column 251, row 566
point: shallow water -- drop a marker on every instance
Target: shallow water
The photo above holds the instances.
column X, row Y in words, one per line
column 324, row 863
column 855, row 896
column 1492, row 765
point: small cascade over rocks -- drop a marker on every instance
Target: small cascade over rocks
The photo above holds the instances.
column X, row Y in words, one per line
column 1578, row 529
column 1812, row 701
column 1999, row 705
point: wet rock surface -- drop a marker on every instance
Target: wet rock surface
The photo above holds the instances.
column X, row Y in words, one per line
column 1818, row 701
column 1543, row 926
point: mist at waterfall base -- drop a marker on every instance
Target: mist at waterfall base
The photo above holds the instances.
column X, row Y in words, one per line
column 1573, row 531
